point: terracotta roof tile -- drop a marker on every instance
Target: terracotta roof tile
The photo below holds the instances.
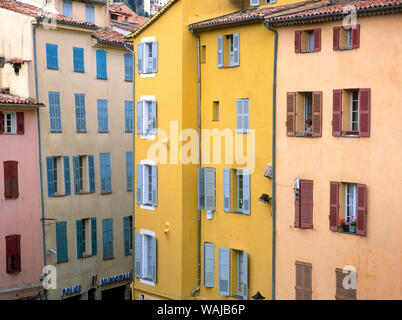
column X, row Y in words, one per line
column 109, row 36
column 126, row 26
column 8, row 98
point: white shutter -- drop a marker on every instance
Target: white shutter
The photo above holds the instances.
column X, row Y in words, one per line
column 236, row 49
column 226, row 190
column 220, row 52
column 140, row 58
column 140, row 183
column 239, row 113
column 210, row 189
column 154, row 186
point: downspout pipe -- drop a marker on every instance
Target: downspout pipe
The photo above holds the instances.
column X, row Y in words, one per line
column 133, row 146
column 40, row 148
column 274, row 158
column 199, row 162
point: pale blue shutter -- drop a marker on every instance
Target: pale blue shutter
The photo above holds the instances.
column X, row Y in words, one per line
column 246, row 124
column 140, row 116
column 128, row 111
column 90, row 13
column 245, row 273
column 61, row 242
column 129, row 171
column 76, row 168
column 140, row 183
column 209, row 265
column 126, row 227
column 239, row 108
column 94, row 237
column 80, row 114
column 50, row 176
column 138, row 255
column 224, row 271
column 128, row 67
column 220, row 51
column 91, row 166
column 78, row 59
column 106, row 179
column 67, row 179
column 54, row 112
column 154, row 186
column 201, row 188
column 152, row 243
column 51, row 56
column 236, row 49
column 67, row 8
column 210, row 189
column 246, row 192
column 102, row 116
column 79, row 239
column 140, row 58
column 153, row 124
column 101, row 65
column 226, row 190
column 155, row 56
column 107, row 238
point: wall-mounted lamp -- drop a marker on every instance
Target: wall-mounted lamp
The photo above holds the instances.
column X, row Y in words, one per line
column 265, row 198
column 258, row 296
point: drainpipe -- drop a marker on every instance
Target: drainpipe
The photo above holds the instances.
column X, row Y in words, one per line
column 273, row 159
column 133, row 200
column 199, row 162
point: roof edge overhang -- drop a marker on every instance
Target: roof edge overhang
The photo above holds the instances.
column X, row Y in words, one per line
column 226, row 24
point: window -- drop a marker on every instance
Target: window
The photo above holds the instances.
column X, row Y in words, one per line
column 51, row 56
column 11, row 180
column 90, row 13
column 9, row 122
column 85, row 240
column 303, row 190
column 233, row 273
column 147, row 185
column 61, row 242
column 78, row 59
column 13, row 253
column 229, row 50
column 101, row 64
column 351, row 112
column 303, row 281
column 107, row 238
column 105, row 173
column 345, row 284
column 243, row 121
column 254, row 2
column 207, row 189
column 346, row 38
column 80, row 114
column 128, row 67
column 55, row 166
column 147, row 57
column 215, row 111
column 129, row 171
column 304, row 114
column 308, row 40
column 102, row 116
column 128, row 235
column 145, row 257
column 67, row 8
column 238, row 200
column 348, row 205
column 209, row 265
column 270, row 1
column 129, row 116
column 84, row 174
column 146, row 118
column 203, row 54
column 54, row 112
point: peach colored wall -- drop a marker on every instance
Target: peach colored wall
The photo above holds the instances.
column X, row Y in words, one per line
column 22, row 216
column 374, row 161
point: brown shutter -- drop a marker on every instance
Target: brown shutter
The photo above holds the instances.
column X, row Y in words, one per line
column 317, row 114
column 356, row 36
column 1, row 123
column 334, row 206
column 361, row 209
column 364, row 112
column 297, row 211
column 13, row 253
column 299, row 281
column 336, row 38
column 291, row 114
column 303, row 281
column 298, row 41
column 306, row 204
column 317, row 39
column 337, row 113
column 20, row 123
column 11, row 179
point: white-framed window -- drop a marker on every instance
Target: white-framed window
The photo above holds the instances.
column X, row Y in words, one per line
column 147, row 184
column 228, row 50
column 350, row 202
column 82, row 162
column 55, row 175
column 147, row 117
column 354, row 111
column 238, row 200
column 147, row 56
column 10, row 122
column 145, row 257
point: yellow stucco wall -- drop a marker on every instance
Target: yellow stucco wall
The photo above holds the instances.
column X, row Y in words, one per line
column 373, row 161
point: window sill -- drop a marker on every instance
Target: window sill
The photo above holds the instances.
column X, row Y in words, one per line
column 128, row 131
column 307, row 51
column 125, row 80
column 347, row 232
column 56, row 131
column 238, row 212
column 142, row 206
column 147, row 137
column 81, row 132
column 48, row 68
column 238, row 297
column 79, row 71
column 241, row 131
column 60, row 262
column 147, row 75
column 110, row 192
column 147, row 282
column 229, row 67
column 5, row 198
column 111, row 258
column 59, row 195
column 345, row 49
column 84, row 192
column 103, row 131
column 299, row 135
column 101, row 78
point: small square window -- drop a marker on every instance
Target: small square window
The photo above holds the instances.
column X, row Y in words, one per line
column 215, row 111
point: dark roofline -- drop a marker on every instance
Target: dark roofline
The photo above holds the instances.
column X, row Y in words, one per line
column 121, row 44
column 255, row 19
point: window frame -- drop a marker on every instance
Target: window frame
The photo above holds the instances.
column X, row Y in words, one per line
column 12, row 128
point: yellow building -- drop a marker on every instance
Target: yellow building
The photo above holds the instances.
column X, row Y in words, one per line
column 346, row 78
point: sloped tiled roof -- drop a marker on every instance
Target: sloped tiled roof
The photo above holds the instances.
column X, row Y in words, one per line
column 106, row 35
column 335, row 12
column 126, row 26
column 12, row 99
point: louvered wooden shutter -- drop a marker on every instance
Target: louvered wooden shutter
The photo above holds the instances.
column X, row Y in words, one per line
column 67, row 179
column 209, row 265
column 356, row 36
column 78, row 57
column 128, row 67
column 155, row 56
column 236, row 49
column 129, row 171
column 226, row 190
column 306, row 204
column 126, row 227
column 153, row 126
column 246, row 192
column 11, row 179
column 297, row 210
column 220, row 51
column 140, row 183
column 154, row 186
column 101, row 64
column 1, row 123
column 317, row 113
column 138, row 255
column 54, row 112
column 291, row 114
column 140, row 117
column 152, row 243
column 210, row 189
column 94, row 237
column 201, row 188
column 224, row 271
column 91, row 166
column 140, row 58
column 20, row 123
column 13, row 253
column 334, row 206
column 317, row 39
column 337, row 113
column 299, row 281
column 245, row 274
column 336, row 38
column 107, row 238
column 50, row 176
column 102, row 115
column 361, row 209
column 76, row 169
column 364, row 112
column 61, row 242
column 303, row 281
column 79, row 238
column 298, row 41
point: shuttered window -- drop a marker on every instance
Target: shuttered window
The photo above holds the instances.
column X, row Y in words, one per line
column 334, row 206
column 103, row 116
column 129, row 116
column 227, row 184
column 11, row 180
column 20, row 123
column 147, row 57
column 303, row 281
column 51, row 56
column 146, row 117
column 308, row 40
column 128, row 67
column 94, row 236
column 145, row 257
column 243, row 191
column 224, row 271
column 90, row 13
column 105, row 173
column 67, row 8
column 361, row 209
column 54, row 112
column 291, row 114
column 127, row 228
column 242, row 274
column 243, row 122
column 80, row 239
column 337, row 113
column 209, row 265
column 207, row 189
column 78, row 59
column 147, row 185
column 61, row 242
column 129, row 171
column 107, row 231
column 317, row 114
column 304, row 205
column 345, row 284
column 91, row 169
column 80, row 114
column 67, row 176
column 228, row 50
column 13, row 253
column 51, row 176
column 101, row 64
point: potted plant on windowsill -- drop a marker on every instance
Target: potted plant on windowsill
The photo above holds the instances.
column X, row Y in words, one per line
column 352, row 226
column 343, row 225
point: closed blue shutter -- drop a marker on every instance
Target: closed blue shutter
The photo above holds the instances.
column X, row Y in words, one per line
column 54, row 112
column 220, row 52
column 138, row 255
column 79, row 239
column 209, row 265
column 90, row 13
column 129, row 116
column 67, row 8
column 224, row 271
column 105, row 171
column 246, row 192
column 51, row 56
column 107, row 238
column 76, row 167
column 126, row 225
column 140, row 116
column 210, row 189
column 154, row 186
column 129, row 170
column 102, row 116
column 78, row 57
column 140, row 58
column 128, row 67
column 67, row 179
column 201, row 188
column 236, row 49
column 80, row 114
column 140, row 183
column 101, row 67
column 152, row 243
column 50, row 176
column 94, row 237
column 155, row 56
column 226, row 190
column 91, row 166
column 61, row 242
